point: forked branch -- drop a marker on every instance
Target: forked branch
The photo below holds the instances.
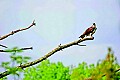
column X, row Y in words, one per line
column 16, row 31
column 58, row 48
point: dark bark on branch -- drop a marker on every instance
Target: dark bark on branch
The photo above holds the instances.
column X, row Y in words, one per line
column 16, row 50
column 3, row 46
column 103, row 74
column 13, row 32
column 60, row 47
column 114, row 72
column 117, row 70
column 7, row 35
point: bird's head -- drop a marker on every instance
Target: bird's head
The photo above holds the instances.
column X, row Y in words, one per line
column 94, row 25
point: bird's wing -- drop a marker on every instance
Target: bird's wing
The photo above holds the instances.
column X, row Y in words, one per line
column 94, row 31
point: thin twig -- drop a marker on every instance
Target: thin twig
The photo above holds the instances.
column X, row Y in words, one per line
column 13, row 32
column 3, row 46
column 81, row 45
column 58, row 48
column 17, row 49
column 26, row 48
column 117, row 70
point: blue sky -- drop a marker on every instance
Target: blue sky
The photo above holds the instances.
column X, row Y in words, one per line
column 61, row 21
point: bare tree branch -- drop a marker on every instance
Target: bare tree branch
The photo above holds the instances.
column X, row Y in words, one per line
column 58, row 48
column 3, row 46
column 13, row 32
column 16, row 50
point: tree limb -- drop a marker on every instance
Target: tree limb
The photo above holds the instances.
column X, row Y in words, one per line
column 58, row 48
column 13, row 32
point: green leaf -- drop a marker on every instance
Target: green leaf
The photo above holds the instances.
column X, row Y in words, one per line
column 5, row 65
column 27, row 58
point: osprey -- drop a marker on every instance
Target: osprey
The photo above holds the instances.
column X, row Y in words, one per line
column 90, row 31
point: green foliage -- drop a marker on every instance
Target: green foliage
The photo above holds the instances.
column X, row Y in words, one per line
column 107, row 67
column 47, row 71
column 15, row 59
column 103, row 70
column 82, row 71
column 5, row 78
column 15, row 49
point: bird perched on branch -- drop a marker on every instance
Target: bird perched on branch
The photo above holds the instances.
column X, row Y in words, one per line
column 90, row 31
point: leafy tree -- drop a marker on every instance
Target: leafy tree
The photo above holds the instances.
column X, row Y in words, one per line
column 82, row 71
column 47, row 71
column 15, row 59
column 104, row 69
